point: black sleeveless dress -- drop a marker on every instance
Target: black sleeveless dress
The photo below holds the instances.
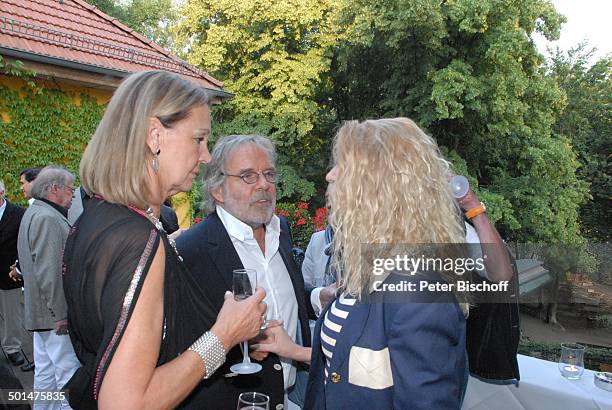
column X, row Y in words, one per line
column 106, row 261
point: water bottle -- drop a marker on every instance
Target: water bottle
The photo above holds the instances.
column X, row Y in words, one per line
column 459, row 186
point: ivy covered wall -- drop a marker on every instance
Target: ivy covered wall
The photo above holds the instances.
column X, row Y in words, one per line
column 43, row 124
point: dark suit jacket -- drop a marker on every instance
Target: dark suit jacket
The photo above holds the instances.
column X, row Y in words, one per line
column 9, row 229
column 169, row 219
column 208, row 252
column 394, row 352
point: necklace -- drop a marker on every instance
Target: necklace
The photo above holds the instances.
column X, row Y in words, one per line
column 158, row 224
column 160, row 227
column 154, row 220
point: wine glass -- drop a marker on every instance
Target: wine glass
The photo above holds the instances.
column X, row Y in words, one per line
column 244, row 281
column 253, row 401
column 272, row 312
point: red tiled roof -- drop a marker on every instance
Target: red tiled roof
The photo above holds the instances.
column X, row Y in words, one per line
column 77, row 32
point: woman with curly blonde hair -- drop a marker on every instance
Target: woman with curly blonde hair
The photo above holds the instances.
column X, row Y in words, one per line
column 381, row 340
column 390, row 187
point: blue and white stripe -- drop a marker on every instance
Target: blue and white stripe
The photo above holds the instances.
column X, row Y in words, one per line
column 332, row 326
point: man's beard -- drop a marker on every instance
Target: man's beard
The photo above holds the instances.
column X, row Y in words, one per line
column 253, row 215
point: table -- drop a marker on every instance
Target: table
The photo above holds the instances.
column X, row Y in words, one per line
column 541, row 388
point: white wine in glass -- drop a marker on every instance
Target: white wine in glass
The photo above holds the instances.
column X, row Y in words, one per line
column 244, row 283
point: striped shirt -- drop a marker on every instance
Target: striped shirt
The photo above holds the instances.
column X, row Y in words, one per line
column 332, row 326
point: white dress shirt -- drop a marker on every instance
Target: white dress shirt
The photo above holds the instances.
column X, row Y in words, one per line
column 2, row 208
column 272, row 275
column 472, row 238
column 313, row 268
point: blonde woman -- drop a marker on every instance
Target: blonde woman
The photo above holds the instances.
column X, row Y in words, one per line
column 143, row 330
column 386, row 349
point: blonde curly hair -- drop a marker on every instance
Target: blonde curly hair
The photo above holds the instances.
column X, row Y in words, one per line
column 391, row 188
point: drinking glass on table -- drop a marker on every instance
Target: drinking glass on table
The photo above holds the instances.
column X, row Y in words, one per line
column 253, row 401
column 571, row 363
column 244, row 282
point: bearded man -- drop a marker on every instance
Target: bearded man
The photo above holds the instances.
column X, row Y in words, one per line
column 241, row 231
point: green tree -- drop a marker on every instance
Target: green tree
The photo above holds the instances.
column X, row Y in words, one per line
column 469, row 73
column 151, row 18
column 275, row 56
column 587, row 122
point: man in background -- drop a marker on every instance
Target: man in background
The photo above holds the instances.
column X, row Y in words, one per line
column 26, row 178
column 11, row 309
column 42, row 236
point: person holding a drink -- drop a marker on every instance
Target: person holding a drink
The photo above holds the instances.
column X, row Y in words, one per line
column 387, row 349
column 144, row 331
column 242, row 232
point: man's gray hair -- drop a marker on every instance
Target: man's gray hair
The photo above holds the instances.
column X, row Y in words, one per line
column 214, row 171
column 2, row 187
column 49, row 176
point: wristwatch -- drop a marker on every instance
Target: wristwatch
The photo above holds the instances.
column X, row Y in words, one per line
column 473, row 212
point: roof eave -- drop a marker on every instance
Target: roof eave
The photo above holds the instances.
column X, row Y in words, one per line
column 75, row 65
column 60, row 62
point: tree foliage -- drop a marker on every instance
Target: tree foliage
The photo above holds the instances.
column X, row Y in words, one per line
column 468, row 72
column 275, row 56
column 587, row 122
column 151, row 18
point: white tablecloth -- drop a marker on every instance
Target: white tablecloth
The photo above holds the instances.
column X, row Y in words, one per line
column 541, row 388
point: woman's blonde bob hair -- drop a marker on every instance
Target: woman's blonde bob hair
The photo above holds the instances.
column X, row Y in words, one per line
column 391, row 188
column 114, row 164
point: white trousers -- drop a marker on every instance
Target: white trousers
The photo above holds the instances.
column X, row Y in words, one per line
column 55, row 363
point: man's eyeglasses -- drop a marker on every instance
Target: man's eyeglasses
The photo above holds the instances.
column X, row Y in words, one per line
column 252, row 177
column 72, row 189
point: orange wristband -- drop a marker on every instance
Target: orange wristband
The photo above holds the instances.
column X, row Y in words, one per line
column 471, row 213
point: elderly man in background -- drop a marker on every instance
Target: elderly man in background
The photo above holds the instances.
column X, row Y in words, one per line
column 241, row 231
column 11, row 309
column 42, row 235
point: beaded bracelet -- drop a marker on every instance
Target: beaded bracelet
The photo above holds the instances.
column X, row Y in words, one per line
column 210, row 349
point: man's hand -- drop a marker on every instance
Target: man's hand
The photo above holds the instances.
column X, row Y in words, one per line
column 61, row 327
column 15, row 274
column 469, row 201
column 327, row 294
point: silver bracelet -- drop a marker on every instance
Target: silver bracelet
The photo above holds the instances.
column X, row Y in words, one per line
column 210, row 349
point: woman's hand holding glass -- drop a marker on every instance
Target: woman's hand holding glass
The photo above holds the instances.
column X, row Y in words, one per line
column 239, row 320
column 277, row 341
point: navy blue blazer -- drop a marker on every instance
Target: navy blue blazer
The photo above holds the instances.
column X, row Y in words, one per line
column 210, row 256
column 395, row 351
